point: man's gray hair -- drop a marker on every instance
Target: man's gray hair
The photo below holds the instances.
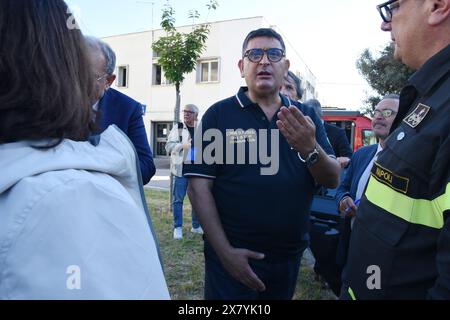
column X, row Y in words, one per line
column 193, row 108
column 110, row 57
column 392, row 96
column 315, row 104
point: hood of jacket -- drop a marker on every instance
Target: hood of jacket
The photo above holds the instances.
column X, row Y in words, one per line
column 113, row 155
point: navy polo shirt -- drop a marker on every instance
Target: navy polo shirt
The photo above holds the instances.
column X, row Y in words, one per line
column 268, row 213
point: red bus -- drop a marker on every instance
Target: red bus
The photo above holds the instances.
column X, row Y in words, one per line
column 357, row 127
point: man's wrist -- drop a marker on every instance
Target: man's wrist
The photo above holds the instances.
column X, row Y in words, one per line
column 311, row 157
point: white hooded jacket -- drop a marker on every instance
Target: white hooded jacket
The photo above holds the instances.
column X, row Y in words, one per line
column 74, row 225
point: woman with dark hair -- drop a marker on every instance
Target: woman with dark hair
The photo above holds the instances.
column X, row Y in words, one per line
column 73, row 220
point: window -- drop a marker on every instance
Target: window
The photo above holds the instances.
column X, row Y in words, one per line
column 209, row 71
column 157, row 73
column 122, row 79
column 161, row 132
column 158, row 76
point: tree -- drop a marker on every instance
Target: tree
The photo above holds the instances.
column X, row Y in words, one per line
column 384, row 74
column 179, row 52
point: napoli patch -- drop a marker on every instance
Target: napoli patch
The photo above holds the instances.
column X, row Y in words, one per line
column 417, row 116
column 389, row 178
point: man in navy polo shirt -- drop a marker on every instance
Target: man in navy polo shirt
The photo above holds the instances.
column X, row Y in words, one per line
column 251, row 186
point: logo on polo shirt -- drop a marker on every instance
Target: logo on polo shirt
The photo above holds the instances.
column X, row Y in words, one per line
column 417, row 116
column 241, row 136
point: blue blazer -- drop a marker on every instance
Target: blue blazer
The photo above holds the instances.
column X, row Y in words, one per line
column 348, row 187
column 350, row 178
column 126, row 113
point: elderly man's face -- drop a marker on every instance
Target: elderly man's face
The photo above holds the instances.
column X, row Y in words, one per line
column 99, row 66
column 189, row 116
column 264, row 77
column 407, row 31
column 381, row 124
column 289, row 88
column 102, row 80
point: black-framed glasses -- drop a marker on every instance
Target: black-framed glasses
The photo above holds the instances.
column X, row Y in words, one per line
column 257, row 54
column 386, row 113
column 387, row 8
column 188, row 112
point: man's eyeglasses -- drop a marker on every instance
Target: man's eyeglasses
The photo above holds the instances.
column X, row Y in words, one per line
column 256, row 55
column 188, row 112
column 101, row 77
column 386, row 113
column 386, row 9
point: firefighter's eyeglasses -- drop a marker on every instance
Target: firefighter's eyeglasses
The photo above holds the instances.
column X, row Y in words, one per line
column 386, row 113
column 101, row 77
column 386, row 9
column 256, row 55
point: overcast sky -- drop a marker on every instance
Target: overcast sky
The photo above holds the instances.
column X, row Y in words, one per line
column 329, row 35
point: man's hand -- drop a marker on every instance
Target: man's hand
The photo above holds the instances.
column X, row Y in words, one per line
column 235, row 261
column 347, row 207
column 187, row 146
column 298, row 129
column 343, row 161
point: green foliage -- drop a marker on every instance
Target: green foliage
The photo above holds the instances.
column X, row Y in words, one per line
column 179, row 51
column 384, row 74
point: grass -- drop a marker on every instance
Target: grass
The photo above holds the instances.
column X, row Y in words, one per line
column 183, row 259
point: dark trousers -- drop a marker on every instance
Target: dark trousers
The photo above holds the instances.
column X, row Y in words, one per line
column 279, row 275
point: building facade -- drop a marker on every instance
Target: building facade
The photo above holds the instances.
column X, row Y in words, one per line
column 216, row 76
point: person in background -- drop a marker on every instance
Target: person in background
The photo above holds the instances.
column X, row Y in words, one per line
column 357, row 175
column 117, row 108
column 179, row 146
column 336, row 136
column 73, row 220
column 292, row 87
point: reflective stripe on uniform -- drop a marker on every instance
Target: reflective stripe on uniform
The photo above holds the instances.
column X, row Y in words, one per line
column 351, row 293
column 443, row 201
column 418, row 211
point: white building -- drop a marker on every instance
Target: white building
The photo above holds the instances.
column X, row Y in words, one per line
column 216, row 77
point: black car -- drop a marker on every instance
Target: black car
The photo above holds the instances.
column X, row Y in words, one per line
column 325, row 235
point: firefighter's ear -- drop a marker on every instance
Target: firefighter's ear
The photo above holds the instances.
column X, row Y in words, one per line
column 438, row 11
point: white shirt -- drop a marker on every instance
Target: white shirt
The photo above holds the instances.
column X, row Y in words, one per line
column 365, row 177
column 366, row 174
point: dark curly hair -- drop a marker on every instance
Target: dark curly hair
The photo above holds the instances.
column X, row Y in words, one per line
column 46, row 82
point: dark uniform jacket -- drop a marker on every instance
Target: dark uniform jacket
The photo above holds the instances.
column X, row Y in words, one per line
column 400, row 243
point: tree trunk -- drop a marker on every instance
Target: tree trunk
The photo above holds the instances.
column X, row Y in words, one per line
column 176, row 119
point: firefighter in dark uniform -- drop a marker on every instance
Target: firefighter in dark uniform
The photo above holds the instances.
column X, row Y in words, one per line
column 400, row 243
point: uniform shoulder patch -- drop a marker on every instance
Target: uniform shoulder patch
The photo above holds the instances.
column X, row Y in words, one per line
column 417, row 116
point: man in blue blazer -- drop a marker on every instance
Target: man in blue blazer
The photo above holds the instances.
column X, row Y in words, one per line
column 356, row 176
column 117, row 108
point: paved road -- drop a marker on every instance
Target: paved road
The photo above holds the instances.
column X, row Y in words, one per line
column 160, row 181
